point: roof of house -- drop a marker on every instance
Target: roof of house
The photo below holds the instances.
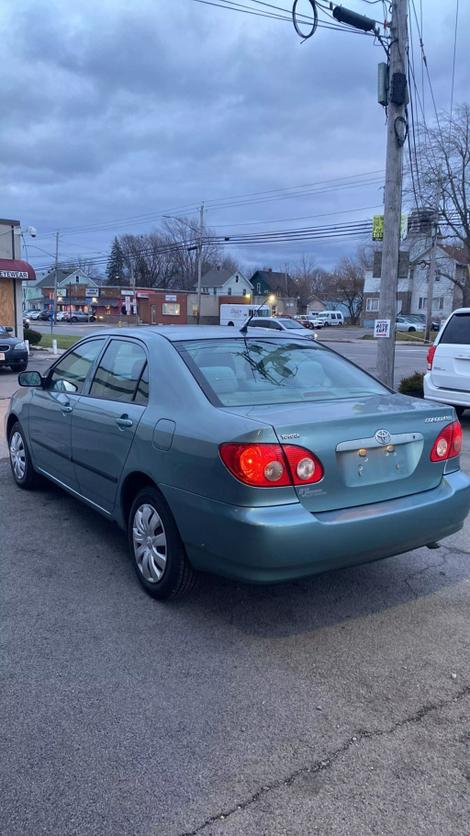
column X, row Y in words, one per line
column 274, row 280
column 216, row 278
column 49, row 279
column 457, row 253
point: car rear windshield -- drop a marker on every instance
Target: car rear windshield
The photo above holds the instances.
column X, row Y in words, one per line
column 457, row 331
column 245, row 372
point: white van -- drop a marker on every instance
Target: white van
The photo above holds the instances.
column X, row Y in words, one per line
column 238, row 314
column 448, row 378
column 329, row 317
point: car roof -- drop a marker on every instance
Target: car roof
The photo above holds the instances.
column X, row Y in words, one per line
column 177, row 333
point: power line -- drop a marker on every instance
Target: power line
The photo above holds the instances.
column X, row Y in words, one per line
column 243, row 199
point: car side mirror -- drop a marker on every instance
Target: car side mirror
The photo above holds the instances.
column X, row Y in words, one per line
column 31, row 379
column 8, row 329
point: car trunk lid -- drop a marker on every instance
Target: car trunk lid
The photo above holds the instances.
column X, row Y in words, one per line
column 372, row 449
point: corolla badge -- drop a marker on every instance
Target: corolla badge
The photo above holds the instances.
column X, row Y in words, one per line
column 383, row 437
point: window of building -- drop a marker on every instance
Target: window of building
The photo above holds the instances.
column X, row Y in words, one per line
column 258, row 288
column 236, row 279
column 422, row 302
column 171, row 309
column 229, row 291
column 438, row 303
column 372, row 304
column 244, row 291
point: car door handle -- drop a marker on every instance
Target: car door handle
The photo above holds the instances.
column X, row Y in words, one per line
column 65, row 408
column 123, row 422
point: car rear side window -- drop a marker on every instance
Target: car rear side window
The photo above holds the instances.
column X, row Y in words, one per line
column 457, row 330
column 119, row 373
column 70, row 373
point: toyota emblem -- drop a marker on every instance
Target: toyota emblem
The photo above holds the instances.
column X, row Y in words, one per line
column 383, row 437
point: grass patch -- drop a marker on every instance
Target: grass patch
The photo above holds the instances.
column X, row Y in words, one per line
column 63, row 340
column 403, row 337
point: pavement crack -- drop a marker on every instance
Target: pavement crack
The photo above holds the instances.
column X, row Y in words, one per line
column 328, row 760
column 418, row 572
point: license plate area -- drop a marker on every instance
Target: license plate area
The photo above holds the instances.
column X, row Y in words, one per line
column 365, row 461
column 2, row 355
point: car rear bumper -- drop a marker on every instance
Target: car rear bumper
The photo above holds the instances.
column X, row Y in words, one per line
column 455, row 397
column 279, row 543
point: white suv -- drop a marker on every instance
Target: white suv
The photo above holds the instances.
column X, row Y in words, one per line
column 448, row 378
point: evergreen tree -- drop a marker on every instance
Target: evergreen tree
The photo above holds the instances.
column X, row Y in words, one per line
column 115, row 267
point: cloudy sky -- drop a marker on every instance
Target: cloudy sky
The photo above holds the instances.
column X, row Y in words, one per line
column 115, row 113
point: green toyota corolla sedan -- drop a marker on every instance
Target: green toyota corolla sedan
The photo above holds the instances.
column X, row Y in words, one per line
column 258, row 456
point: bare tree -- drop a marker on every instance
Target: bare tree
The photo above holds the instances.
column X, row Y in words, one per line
column 444, row 173
column 347, row 286
column 310, row 282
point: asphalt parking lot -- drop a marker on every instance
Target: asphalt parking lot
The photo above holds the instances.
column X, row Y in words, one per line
column 337, row 705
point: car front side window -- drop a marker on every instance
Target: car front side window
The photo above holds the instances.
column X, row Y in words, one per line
column 70, row 373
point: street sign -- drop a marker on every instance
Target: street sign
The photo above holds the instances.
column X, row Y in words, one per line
column 378, row 227
column 381, row 328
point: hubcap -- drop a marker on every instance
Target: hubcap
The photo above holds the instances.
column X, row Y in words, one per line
column 149, row 540
column 18, row 455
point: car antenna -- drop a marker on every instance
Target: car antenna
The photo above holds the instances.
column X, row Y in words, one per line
column 244, row 328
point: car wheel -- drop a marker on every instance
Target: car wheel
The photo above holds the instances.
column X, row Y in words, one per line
column 20, row 367
column 21, row 466
column 92, row 318
column 460, row 410
column 411, row 329
column 158, row 553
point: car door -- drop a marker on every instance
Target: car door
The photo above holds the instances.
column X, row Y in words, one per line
column 51, row 410
column 451, row 364
column 106, row 418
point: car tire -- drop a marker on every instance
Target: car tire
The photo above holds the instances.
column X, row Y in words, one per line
column 162, row 566
column 460, row 410
column 73, row 319
column 19, row 367
column 20, row 460
column 411, row 330
column 92, row 318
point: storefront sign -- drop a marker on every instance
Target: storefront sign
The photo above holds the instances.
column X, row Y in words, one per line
column 14, row 274
column 170, row 297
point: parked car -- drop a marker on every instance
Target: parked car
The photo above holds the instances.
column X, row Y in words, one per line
column 13, row 352
column 79, row 316
column 309, row 321
column 45, row 315
column 34, row 314
column 260, row 456
column 413, row 322
column 435, row 324
column 279, row 323
column 61, row 316
column 330, row 318
column 448, row 377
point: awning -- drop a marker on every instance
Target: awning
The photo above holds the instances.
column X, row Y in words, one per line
column 14, row 268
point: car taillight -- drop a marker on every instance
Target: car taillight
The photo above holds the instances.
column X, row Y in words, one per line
column 448, row 443
column 271, row 465
column 430, row 356
column 304, row 466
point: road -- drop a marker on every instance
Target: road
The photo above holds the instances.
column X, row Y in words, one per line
column 337, row 706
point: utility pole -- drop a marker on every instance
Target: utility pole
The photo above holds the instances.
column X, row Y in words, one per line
column 56, row 270
column 431, row 277
column 199, row 262
column 396, row 137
